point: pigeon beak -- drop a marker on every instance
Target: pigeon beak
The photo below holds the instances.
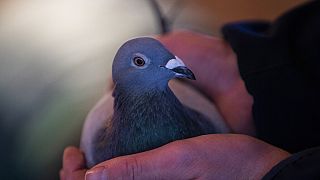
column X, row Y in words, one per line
column 180, row 69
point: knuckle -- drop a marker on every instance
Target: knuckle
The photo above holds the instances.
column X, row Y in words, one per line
column 131, row 168
column 62, row 174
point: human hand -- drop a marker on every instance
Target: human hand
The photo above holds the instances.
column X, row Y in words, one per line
column 219, row 156
column 215, row 66
column 213, row 61
column 73, row 165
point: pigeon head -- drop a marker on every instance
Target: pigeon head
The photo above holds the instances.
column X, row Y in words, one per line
column 146, row 62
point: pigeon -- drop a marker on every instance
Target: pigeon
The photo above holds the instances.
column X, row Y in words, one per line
column 148, row 107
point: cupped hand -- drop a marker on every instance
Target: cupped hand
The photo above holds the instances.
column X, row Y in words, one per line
column 205, row 157
column 215, row 66
column 219, row 156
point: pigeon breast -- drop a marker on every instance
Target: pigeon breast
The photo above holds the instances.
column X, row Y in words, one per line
column 96, row 134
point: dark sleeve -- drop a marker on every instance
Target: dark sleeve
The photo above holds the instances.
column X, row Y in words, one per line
column 302, row 165
column 280, row 64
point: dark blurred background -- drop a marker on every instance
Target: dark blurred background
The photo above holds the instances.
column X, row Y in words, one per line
column 55, row 62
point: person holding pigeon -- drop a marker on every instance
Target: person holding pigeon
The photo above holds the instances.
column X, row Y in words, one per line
column 263, row 78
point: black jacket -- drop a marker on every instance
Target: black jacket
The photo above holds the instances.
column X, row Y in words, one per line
column 280, row 64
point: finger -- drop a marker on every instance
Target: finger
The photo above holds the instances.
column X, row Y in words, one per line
column 73, row 159
column 171, row 161
column 62, row 175
column 76, row 175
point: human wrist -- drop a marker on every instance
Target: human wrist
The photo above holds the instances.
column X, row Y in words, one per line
column 235, row 105
column 259, row 156
column 267, row 160
column 297, row 166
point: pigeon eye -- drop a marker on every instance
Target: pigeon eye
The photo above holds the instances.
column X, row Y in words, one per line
column 138, row 61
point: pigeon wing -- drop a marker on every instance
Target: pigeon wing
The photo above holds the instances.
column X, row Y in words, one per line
column 97, row 118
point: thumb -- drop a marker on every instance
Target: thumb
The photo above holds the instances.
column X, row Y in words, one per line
column 73, row 164
column 172, row 161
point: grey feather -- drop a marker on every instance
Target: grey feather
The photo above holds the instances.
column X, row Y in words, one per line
column 146, row 114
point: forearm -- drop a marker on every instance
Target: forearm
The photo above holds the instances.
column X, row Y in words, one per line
column 235, row 106
column 302, row 165
column 227, row 90
column 215, row 66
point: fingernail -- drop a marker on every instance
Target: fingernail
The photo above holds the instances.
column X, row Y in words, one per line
column 97, row 173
